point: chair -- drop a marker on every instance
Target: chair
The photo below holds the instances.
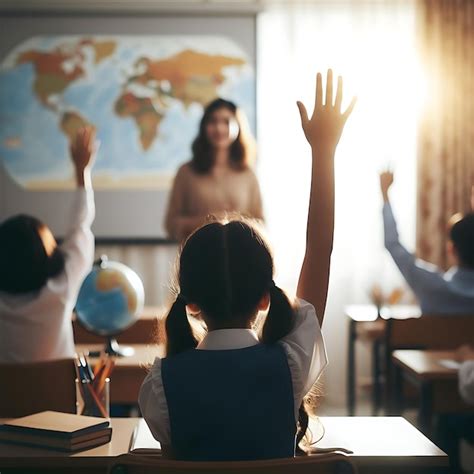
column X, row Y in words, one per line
column 433, row 332
column 33, row 387
column 331, row 463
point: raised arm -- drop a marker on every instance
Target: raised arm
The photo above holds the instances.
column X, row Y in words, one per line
column 323, row 131
column 78, row 245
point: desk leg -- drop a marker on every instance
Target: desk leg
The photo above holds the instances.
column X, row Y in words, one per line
column 397, row 401
column 425, row 414
column 351, row 367
column 376, row 389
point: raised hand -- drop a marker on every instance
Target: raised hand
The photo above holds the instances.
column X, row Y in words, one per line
column 324, row 129
column 386, row 180
column 83, row 150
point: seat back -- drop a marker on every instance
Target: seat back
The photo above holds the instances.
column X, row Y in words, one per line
column 430, row 332
column 33, row 387
column 332, row 463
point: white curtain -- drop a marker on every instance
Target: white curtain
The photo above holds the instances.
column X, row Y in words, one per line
column 372, row 45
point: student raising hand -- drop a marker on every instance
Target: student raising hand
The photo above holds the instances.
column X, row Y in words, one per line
column 323, row 131
column 386, row 181
column 83, row 150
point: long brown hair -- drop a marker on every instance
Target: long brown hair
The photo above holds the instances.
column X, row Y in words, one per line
column 242, row 150
column 226, row 269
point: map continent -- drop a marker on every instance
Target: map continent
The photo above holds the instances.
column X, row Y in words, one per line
column 143, row 95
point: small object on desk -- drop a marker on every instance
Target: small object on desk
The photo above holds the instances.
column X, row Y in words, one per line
column 92, row 387
column 449, row 364
column 142, row 441
column 56, row 430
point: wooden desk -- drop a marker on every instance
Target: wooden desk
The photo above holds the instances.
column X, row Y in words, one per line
column 146, row 330
column 129, row 372
column 368, row 316
column 380, row 445
column 437, row 384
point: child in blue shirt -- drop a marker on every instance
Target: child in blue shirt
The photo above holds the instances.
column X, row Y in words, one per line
column 438, row 292
column 235, row 395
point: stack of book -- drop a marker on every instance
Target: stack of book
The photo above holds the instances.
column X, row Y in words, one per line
column 55, row 430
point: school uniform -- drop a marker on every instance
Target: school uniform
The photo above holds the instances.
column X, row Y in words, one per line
column 438, row 292
column 233, row 398
column 37, row 326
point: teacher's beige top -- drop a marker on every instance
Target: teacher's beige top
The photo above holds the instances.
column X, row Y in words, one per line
column 195, row 196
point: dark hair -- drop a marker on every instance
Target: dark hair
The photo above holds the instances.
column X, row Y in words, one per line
column 242, row 149
column 462, row 235
column 24, row 263
column 226, row 269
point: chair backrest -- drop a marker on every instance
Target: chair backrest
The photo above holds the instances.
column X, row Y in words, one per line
column 33, row 387
column 332, row 463
column 430, row 332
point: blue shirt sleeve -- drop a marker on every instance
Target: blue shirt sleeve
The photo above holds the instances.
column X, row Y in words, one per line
column 422, row 276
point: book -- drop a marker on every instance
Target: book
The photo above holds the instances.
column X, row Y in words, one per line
column 55, row 430
column 54, row 423
column 69, row 445
column 142, row 441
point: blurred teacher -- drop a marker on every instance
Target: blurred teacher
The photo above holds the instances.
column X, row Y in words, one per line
column 218, row 179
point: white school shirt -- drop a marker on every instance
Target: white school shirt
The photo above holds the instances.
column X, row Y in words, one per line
column 37, row 326
column 304, row 348
column 466, row 381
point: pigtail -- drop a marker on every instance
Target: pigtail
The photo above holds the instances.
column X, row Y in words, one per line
column 279, row 320
column 278, row 324
column 179, row 334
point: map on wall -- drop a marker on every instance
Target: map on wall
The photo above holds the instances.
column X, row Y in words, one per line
column 143, row 94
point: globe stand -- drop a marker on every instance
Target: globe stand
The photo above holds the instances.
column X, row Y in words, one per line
column 113, row 348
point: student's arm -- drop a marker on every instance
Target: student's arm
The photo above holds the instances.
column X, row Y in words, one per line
column 419, row 275
column 78, row 245
column 323, row 131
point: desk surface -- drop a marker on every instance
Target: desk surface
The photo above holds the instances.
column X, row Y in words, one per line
column 425, row 364
column 368, row 312
column 374, row 440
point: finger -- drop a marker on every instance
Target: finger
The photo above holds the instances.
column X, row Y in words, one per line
column 329, row 88
column 303, row 114
column 350, row 108
column 318, row 99
column 338, row 102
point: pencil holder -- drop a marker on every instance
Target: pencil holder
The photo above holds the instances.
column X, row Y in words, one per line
column 93, row 399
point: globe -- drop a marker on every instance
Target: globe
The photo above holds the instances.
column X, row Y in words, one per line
column 110, row 300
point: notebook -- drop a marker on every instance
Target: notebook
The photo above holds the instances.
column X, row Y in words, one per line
column 55, row 430
column 54, row 423
column 142, row 441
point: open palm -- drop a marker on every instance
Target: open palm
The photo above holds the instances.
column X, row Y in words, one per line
column 323, row 130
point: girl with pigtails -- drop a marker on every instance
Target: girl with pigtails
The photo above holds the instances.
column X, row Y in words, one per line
column 235, row 395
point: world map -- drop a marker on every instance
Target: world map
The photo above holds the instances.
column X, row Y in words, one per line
column 144, row 95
